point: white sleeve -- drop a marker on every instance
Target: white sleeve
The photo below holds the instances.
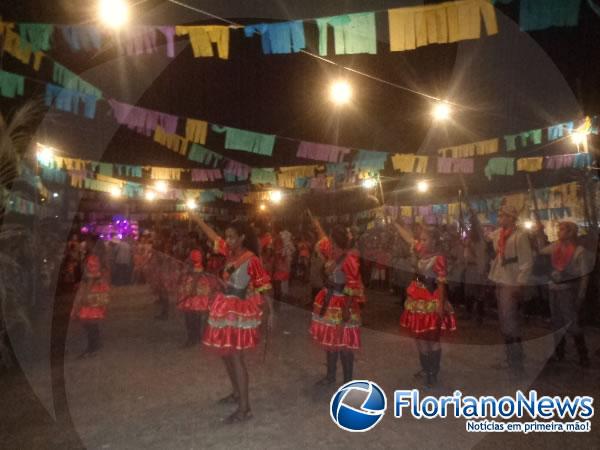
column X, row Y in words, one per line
column 525, row 259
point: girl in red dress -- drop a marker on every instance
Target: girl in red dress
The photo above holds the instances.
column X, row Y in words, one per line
column 336, row 312
column 426, row 310
column 303, row 257
column 197, row 287
column 235, row 315
column 72, row 262
column 92, row 295
column 162, row 272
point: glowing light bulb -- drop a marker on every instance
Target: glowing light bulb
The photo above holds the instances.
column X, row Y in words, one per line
column 528, row 225
column 578, row 138
column 262, row 207
column 191, row 204
column 369, row 183
column 340, row 92
column 441, row 111
column 150, row 196
column 276, row 196
column 45, row 155
column 113, row 13
column 115, row 192
column 161, row 186
column 422, row 186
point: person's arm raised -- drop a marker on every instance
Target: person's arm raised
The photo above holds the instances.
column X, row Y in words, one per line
column 320, row 232
column 206, row 228
column 404, row 233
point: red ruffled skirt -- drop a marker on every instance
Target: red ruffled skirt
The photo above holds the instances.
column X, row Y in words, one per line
column 194, row 304
column 93, row 307
column 329, row 330
column 420, row 311
column 197, row 292
column 92, row 313
column 233, row 323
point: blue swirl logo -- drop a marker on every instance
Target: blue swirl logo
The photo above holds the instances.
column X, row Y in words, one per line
column 358, row 406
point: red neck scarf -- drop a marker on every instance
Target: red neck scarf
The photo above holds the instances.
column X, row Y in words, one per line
column 234, row 263
column 505, row 233
column 562, row 255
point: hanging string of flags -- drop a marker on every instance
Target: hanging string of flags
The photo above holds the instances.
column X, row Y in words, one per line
column 188, row 140
column 345, row 163
column 103, row 177
column 408, row 27
column 356, row 33
column 555, row 203
column 75, row 95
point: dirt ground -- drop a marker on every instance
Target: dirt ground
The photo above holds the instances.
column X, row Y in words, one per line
column 144, row 391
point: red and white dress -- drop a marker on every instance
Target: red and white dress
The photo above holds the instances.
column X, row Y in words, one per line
column 265, row 243
column 283, row 250
column 197, row 287
column 344, row 288
column 93, row 297
column 235, row 315
column 420, row 313
column 162, row 273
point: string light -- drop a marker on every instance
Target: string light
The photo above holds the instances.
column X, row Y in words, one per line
column 369, row 183
column 45, row 155
column 113, row 13
column 262, row 207
column 422, row 186
column 578, row 138
column 150, row 196
column 313, row 55
column 340, row 92
column 115, row 192
column 191, row 204
column 55, row 195
column 441, row 111
column 276, row 196
column 161, row 186
column 528, row 225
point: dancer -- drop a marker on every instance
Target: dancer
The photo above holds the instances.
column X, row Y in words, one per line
column 265, row 246
column 303, row 258
column 511, row 270
column 158, row 272
column 427, row 310
column 283, row 250
column 235, row 315
column 92, row 296
column 476, row 270
column 72, row 262
column 568, row 287
column 197, row 287
column 336, row 311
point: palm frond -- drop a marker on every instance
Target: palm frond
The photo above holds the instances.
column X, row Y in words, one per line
column 22, row 124
column 15, row 139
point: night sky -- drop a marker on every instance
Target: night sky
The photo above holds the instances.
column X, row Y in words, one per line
column 507, row 83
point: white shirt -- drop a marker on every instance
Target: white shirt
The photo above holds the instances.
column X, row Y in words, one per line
column 519, row 247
